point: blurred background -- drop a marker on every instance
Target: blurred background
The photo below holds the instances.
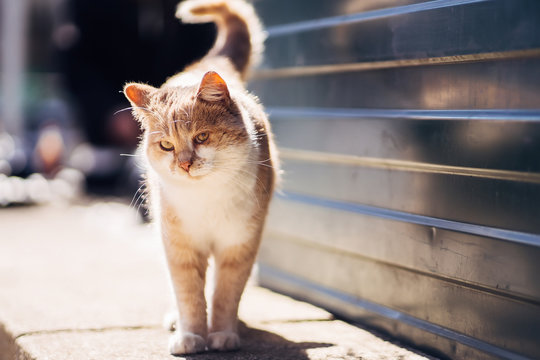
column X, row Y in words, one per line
column 409, row 135
column 63, row 66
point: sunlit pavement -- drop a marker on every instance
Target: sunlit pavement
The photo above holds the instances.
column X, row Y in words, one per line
column 88, row 282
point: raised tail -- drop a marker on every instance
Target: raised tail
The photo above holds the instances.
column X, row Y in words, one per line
column 240, row 35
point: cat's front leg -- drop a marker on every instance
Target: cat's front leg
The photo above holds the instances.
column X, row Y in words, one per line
column 233, row 267
column 187, row 268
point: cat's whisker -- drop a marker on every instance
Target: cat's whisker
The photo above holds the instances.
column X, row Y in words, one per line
column 141, row 203
column 240, row 169
column 140, row 189
column 141, row 198
column 122, row 110
column 257, row 162
column 138, row 201
column 132, row 155
column 236, row 170
column 156, row 114
column 260, row 164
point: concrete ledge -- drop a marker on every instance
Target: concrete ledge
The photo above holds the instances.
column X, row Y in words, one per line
column 89, row 282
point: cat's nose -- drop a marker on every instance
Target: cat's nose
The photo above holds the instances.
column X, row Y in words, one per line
column 185, row 165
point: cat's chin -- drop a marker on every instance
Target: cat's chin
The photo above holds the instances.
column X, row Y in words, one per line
column 197, row 175
column 186, row 178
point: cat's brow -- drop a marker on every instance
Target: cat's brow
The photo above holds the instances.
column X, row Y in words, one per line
column 178, row 124
column 184, row 121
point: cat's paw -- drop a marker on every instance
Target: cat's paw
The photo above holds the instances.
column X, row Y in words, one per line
column 170, row 320
column 223, row 341
column 186, row 343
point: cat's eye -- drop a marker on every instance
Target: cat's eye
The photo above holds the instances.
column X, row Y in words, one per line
column 166, row 145
column 202, row 137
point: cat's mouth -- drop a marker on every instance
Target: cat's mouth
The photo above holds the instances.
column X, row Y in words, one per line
column 193, row 174
column 188, row 174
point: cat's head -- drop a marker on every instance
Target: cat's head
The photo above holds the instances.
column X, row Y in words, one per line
column 192, row 132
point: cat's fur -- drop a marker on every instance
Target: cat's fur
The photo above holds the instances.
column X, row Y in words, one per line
column 211, row 172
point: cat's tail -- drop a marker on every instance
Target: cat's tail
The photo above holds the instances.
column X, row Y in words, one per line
column 240, row 34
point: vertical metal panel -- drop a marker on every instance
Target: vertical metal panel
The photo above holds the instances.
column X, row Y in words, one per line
column 410, row 140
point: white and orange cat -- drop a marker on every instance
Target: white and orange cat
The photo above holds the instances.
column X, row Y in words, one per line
column 211, row 167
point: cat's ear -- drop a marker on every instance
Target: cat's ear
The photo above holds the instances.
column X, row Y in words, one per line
column 213, row 88
column 138, row 94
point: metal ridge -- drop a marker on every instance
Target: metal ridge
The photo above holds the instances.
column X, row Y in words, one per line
column 296, row 71
column 280, row 112
column 407, row 165
column 474, row 229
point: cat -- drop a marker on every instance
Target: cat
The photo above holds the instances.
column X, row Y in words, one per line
column 211, row 167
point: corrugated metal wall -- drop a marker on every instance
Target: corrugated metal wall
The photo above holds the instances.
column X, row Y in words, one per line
column 410, row 139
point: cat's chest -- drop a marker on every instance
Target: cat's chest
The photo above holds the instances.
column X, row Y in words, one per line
column 212, row 216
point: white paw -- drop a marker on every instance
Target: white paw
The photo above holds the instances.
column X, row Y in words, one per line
column 186, row 343
column 223, row 341
column 170, row 320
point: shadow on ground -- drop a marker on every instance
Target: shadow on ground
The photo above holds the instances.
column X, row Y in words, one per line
column 261, row 345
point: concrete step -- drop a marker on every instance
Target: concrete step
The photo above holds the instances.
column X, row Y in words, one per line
column 89, row 282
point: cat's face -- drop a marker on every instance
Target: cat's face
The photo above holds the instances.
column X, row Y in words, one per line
column 196, row 142
column 193, row 133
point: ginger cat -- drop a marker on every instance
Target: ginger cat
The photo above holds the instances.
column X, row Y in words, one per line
column 211, row 167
